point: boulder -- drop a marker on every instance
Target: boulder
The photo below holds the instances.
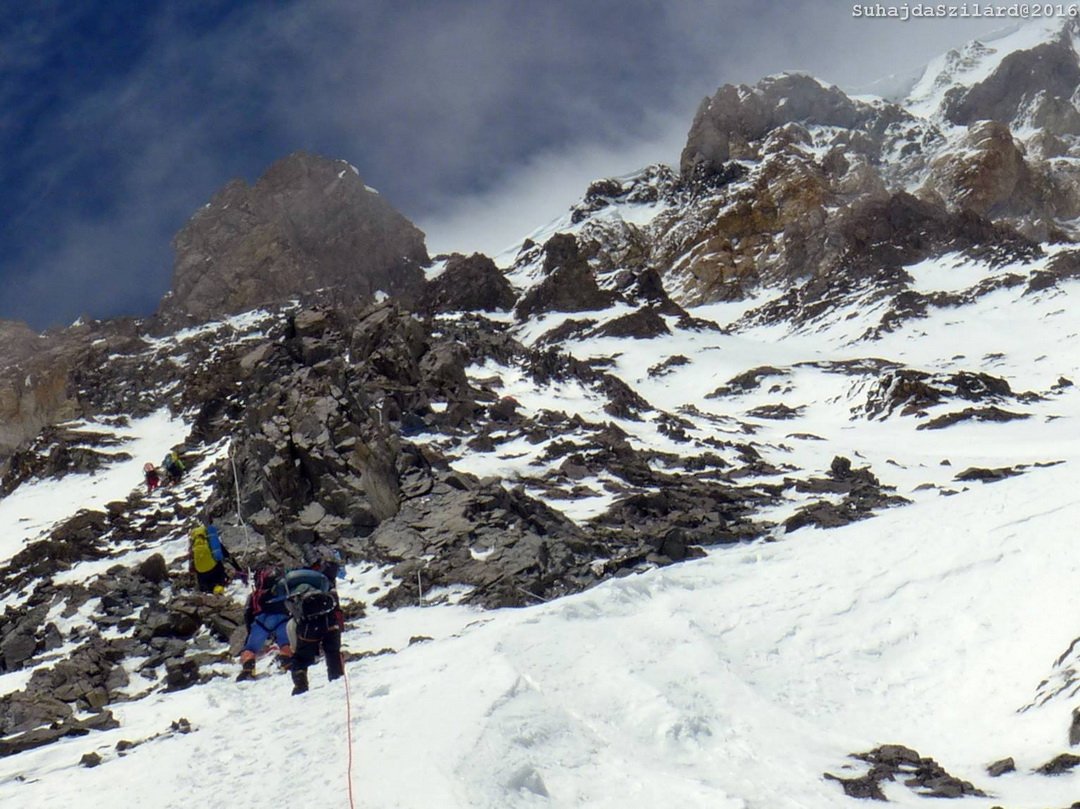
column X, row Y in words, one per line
column 181, row 674
column 154, row 569
column 468, row 284
column 569, row 284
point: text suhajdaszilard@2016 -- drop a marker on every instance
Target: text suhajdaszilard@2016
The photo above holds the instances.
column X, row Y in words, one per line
column 915, row 11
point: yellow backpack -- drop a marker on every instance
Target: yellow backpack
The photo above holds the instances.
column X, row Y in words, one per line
column 202, row 557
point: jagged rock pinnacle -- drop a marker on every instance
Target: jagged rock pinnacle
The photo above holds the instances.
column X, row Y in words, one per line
column 309, row 223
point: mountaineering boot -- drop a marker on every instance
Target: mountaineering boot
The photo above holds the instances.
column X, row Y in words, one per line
column 247, row 671
column 299, row 681
column 335, row 666
column 284, row 657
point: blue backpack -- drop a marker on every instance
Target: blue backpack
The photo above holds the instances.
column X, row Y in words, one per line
column 215, row 543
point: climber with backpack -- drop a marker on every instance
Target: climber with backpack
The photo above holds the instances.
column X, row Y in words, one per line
column 266, row 616
column 173, row 466
column 316, row 623
column 208, row 558
column 152, row 477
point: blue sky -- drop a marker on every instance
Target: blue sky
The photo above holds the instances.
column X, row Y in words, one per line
column 118, row 120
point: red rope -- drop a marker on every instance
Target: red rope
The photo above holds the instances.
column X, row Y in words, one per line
column 348, row 728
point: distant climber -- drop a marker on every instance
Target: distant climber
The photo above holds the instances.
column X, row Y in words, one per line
column 152, row 477
column 174, row 467
column 266, row 616
column 208, row 558
column 316, row 624
column 328, row 562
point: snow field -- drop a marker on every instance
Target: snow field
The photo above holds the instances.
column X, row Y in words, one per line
column 35, row 508
column 732, row 681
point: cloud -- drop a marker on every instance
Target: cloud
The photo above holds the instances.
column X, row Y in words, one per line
column 480, row 119
column 542, row 190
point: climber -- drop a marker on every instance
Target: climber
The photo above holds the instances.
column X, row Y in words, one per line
column 266, row 615
column 316, row 623
column 327, row 561
column 152, row 476
column 173, row 466
column 208, row 558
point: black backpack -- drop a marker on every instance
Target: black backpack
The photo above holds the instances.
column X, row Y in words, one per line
column 314, row 611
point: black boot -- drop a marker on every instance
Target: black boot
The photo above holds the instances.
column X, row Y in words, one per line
column 247, row 671
column 299, row 681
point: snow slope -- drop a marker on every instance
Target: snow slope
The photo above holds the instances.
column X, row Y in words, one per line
column 733, row 681
column 34, row 508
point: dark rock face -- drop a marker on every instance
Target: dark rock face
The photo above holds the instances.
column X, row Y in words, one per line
column 987, row 475
column 1049, row 69
column 1059, row 765
column 510, row 549
column 972, row 414
column 59, row 729
column 570, row 285
column 72, row 540
column 1063, row 267
column 789, row 181
column 468, row 284
column 17, row 341
column 319, row 429
column 902, row 230
column 863, row 493
column 34, row 390
column 323, row 457
column 307, row 224
column 58, row 451
column 990, row 176
column 706, row 513
column 643, row 324
column 892, row 762
column 910, row 392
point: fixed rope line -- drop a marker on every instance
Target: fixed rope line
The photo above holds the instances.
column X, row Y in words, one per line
column 239, row 516
column 348, row 730
column 236, row 488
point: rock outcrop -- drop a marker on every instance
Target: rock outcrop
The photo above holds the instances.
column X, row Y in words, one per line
column 308, row 224
column 892, row 762
column 733, row 123
column 468, row 284
column 569, row 284
column 1032, row 81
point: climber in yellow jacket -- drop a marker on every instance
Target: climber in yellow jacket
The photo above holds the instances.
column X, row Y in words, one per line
column 208, row 558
